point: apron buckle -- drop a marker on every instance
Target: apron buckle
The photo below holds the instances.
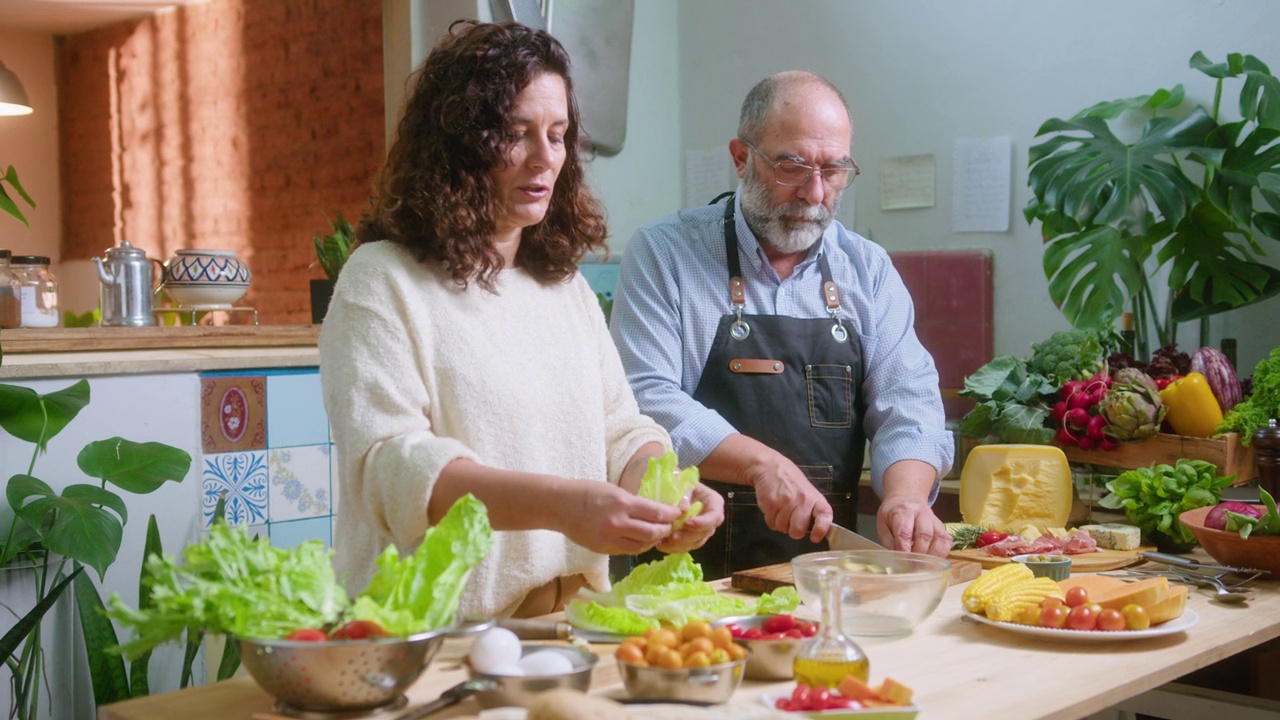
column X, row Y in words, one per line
column 739, row 330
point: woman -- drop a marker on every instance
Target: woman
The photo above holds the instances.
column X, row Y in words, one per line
column 463, row 352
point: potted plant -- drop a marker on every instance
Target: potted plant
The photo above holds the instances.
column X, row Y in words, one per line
column 6, row 203
column 332, row 251
column 1192, row 195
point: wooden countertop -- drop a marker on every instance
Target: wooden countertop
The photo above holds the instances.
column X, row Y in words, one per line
column 957, row 668
column 82, row 352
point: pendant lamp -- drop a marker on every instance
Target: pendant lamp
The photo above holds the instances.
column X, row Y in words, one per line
column 13, row 99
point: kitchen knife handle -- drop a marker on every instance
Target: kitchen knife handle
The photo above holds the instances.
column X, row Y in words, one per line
column 1167, row 559
column 529, row 629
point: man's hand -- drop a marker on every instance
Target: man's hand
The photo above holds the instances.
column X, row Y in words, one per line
column 905, row 521
column 607, row 519
column 698, row 529
column 790, row 503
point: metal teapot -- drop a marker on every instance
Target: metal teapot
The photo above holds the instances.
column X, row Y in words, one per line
column 127, row 284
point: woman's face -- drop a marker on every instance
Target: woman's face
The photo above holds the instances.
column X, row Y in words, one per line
column 523, row 185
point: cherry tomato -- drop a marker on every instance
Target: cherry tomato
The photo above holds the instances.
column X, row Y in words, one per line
column 1111, row 620
column 1049, row 601
column 840, row 702
column 989, row 537
column 307, row 635
column 752, row 633
column 1135, row 617
column 794, row 633
column 630, row 653
column 800, row 696
column 734, row 629
column 778, row 623
column 819, row 698
column 1082, row 617
column 1076, row 596
column 808, row 629
column 783, row 704
column 359, row 630
column 1054, row 616
column 1030, row 615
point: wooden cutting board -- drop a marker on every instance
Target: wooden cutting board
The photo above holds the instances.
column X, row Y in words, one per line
column 1099, row 561
column 771, row 577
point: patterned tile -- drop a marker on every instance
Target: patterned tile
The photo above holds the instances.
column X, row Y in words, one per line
column 299, row 482
column 243, row 478
column 295, row 410
column 291, row 534
column 233, row 413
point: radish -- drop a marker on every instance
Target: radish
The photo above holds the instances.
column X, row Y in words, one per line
column 1087, row 443
column 1059, row 411
column 1076, row 419
column 1080, row 401
column 1094, row 427
column 1071, row 387
column 1065, row 438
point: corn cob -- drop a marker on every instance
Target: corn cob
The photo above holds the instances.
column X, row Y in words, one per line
column 991, row 582
column 1011, row 601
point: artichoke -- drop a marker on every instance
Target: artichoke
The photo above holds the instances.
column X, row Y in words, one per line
column 1132, row 406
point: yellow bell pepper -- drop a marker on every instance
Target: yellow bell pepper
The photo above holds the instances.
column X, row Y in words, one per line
column 1193, row 410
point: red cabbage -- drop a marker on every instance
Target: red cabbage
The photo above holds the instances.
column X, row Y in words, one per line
column 1217, row 517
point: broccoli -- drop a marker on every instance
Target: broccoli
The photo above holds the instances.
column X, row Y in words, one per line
column 1067, row 355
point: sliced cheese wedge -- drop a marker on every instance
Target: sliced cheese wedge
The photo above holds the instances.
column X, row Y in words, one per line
column 1013, row 486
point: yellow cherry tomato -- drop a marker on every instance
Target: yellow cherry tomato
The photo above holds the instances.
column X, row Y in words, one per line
column 630, row 653
column 695, row 629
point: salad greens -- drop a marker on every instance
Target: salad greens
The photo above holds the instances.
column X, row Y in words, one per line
column 662, row 483
column 669, row 590
column 1014, row 404
column 1246, row 525
column 1154, row 497
column 240, row 585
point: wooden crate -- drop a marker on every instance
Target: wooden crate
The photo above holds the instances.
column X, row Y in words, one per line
column 1225, row 451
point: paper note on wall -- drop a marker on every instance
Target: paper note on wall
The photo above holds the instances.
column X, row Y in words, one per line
column 906, row 182
column 982, row 184
column 707, row 173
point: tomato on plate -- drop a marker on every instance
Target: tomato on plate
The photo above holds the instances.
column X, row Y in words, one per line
column 990, row 537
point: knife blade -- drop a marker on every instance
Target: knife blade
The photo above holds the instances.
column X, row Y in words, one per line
column 532, row 629
column 842, row 538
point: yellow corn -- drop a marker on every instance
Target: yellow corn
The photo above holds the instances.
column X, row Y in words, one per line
column 1011, row 601
column 991, row 582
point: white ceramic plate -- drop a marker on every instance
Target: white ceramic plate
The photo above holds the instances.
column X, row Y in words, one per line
column 1182, row 623
column 879, row 713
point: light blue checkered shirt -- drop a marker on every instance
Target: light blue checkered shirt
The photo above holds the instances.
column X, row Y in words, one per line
column 674, row 288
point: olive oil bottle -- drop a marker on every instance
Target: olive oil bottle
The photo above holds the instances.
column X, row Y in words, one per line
column 829, row 656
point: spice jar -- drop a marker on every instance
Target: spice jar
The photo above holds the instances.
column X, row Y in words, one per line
column 10, row 306
column 37, row 290
column 1266, row 455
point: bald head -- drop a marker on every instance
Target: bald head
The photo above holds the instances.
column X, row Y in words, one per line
column 783, row 92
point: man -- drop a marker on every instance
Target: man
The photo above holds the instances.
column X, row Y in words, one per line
column 768, row 339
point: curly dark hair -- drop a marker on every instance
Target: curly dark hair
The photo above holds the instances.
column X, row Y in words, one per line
column 434, row 194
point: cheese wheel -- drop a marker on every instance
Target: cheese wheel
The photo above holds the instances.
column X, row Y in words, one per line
column 1013, row 486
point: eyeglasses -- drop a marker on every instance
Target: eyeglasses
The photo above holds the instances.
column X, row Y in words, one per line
column 793, row 174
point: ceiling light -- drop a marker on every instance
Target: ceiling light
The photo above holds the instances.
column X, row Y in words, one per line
column 13, row 99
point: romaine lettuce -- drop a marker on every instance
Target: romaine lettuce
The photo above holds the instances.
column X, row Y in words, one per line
column 662, row 483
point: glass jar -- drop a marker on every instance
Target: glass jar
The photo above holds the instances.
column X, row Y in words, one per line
column 10, row 306
column 37, row 290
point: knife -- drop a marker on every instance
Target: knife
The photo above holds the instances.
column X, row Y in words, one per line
column 842, row 538
column 530, row 629
column 1189, row 563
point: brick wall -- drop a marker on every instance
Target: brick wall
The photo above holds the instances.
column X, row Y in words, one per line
column 232, row 124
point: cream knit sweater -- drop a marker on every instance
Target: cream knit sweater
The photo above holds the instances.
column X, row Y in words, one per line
column 417, row 373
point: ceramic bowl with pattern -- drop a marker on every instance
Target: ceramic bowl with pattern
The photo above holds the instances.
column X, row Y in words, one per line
column 205, row 278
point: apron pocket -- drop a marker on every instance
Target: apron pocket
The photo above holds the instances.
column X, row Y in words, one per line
column 830, row 389
column 820, row 475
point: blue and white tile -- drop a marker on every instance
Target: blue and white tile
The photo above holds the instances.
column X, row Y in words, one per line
column 295, row 410
column 300, row 485
column 285, row 535
column 244, row 478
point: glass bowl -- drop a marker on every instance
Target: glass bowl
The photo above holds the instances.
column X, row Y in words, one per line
column 882, row 592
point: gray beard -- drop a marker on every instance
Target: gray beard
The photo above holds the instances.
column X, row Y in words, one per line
column 770, row 223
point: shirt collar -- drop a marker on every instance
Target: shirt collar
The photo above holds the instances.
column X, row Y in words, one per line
column 755, row 253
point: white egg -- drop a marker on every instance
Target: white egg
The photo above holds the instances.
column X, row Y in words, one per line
column 510, row 669
column 495, row 648
column 546, row 662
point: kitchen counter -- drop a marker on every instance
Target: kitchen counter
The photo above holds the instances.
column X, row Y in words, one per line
column 97, row 351
column 958, row 669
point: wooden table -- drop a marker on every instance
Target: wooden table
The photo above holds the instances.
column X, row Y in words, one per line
column 957, row 668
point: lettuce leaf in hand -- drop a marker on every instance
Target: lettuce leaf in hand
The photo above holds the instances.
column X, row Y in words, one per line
column 663, row 484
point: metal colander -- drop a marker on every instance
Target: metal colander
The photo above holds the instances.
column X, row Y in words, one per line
column 343, row 675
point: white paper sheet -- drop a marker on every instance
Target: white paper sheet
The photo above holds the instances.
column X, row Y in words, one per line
column 982, row 183
column 907, row 182
column 707, row 173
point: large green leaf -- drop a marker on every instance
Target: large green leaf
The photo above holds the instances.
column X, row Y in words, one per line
column 106, row 670
column 1159, row 100
column 139, row 669
column 1260, row 96
column 1093, row 274
column 13, row 638
column 1247, row 157
column 1211, row 271
column 136, row 467
column 1085, row 172
column 82, row 529
column 34, row 418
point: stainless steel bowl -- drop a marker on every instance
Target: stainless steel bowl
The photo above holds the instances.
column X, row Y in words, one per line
column 767, row 659
column 519, row 690
column 343, row 675
column 714, row 684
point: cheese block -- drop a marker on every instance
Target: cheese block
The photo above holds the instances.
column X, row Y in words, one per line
column 1114, row 536
column 1013, row 486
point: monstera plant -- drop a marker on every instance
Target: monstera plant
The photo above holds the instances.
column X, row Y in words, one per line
column 1192, row 195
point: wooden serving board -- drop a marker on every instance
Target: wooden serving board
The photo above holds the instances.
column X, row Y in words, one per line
column 1099, row 561
column 771, row 577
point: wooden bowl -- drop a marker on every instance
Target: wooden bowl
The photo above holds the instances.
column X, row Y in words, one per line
column 1260, row 552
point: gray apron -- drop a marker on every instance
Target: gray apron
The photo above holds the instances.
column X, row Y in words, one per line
column 794, row 384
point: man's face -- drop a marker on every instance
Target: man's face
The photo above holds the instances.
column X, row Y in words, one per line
column 779, row 219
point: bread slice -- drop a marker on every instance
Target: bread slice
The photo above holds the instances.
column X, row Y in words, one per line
column 1146, row 593
column 1170, row 606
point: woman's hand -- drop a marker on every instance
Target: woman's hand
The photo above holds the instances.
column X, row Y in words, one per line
column 698, row 529
column 607, row 519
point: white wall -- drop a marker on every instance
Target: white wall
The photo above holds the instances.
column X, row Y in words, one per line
column 30, row 144
column 921, row 73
